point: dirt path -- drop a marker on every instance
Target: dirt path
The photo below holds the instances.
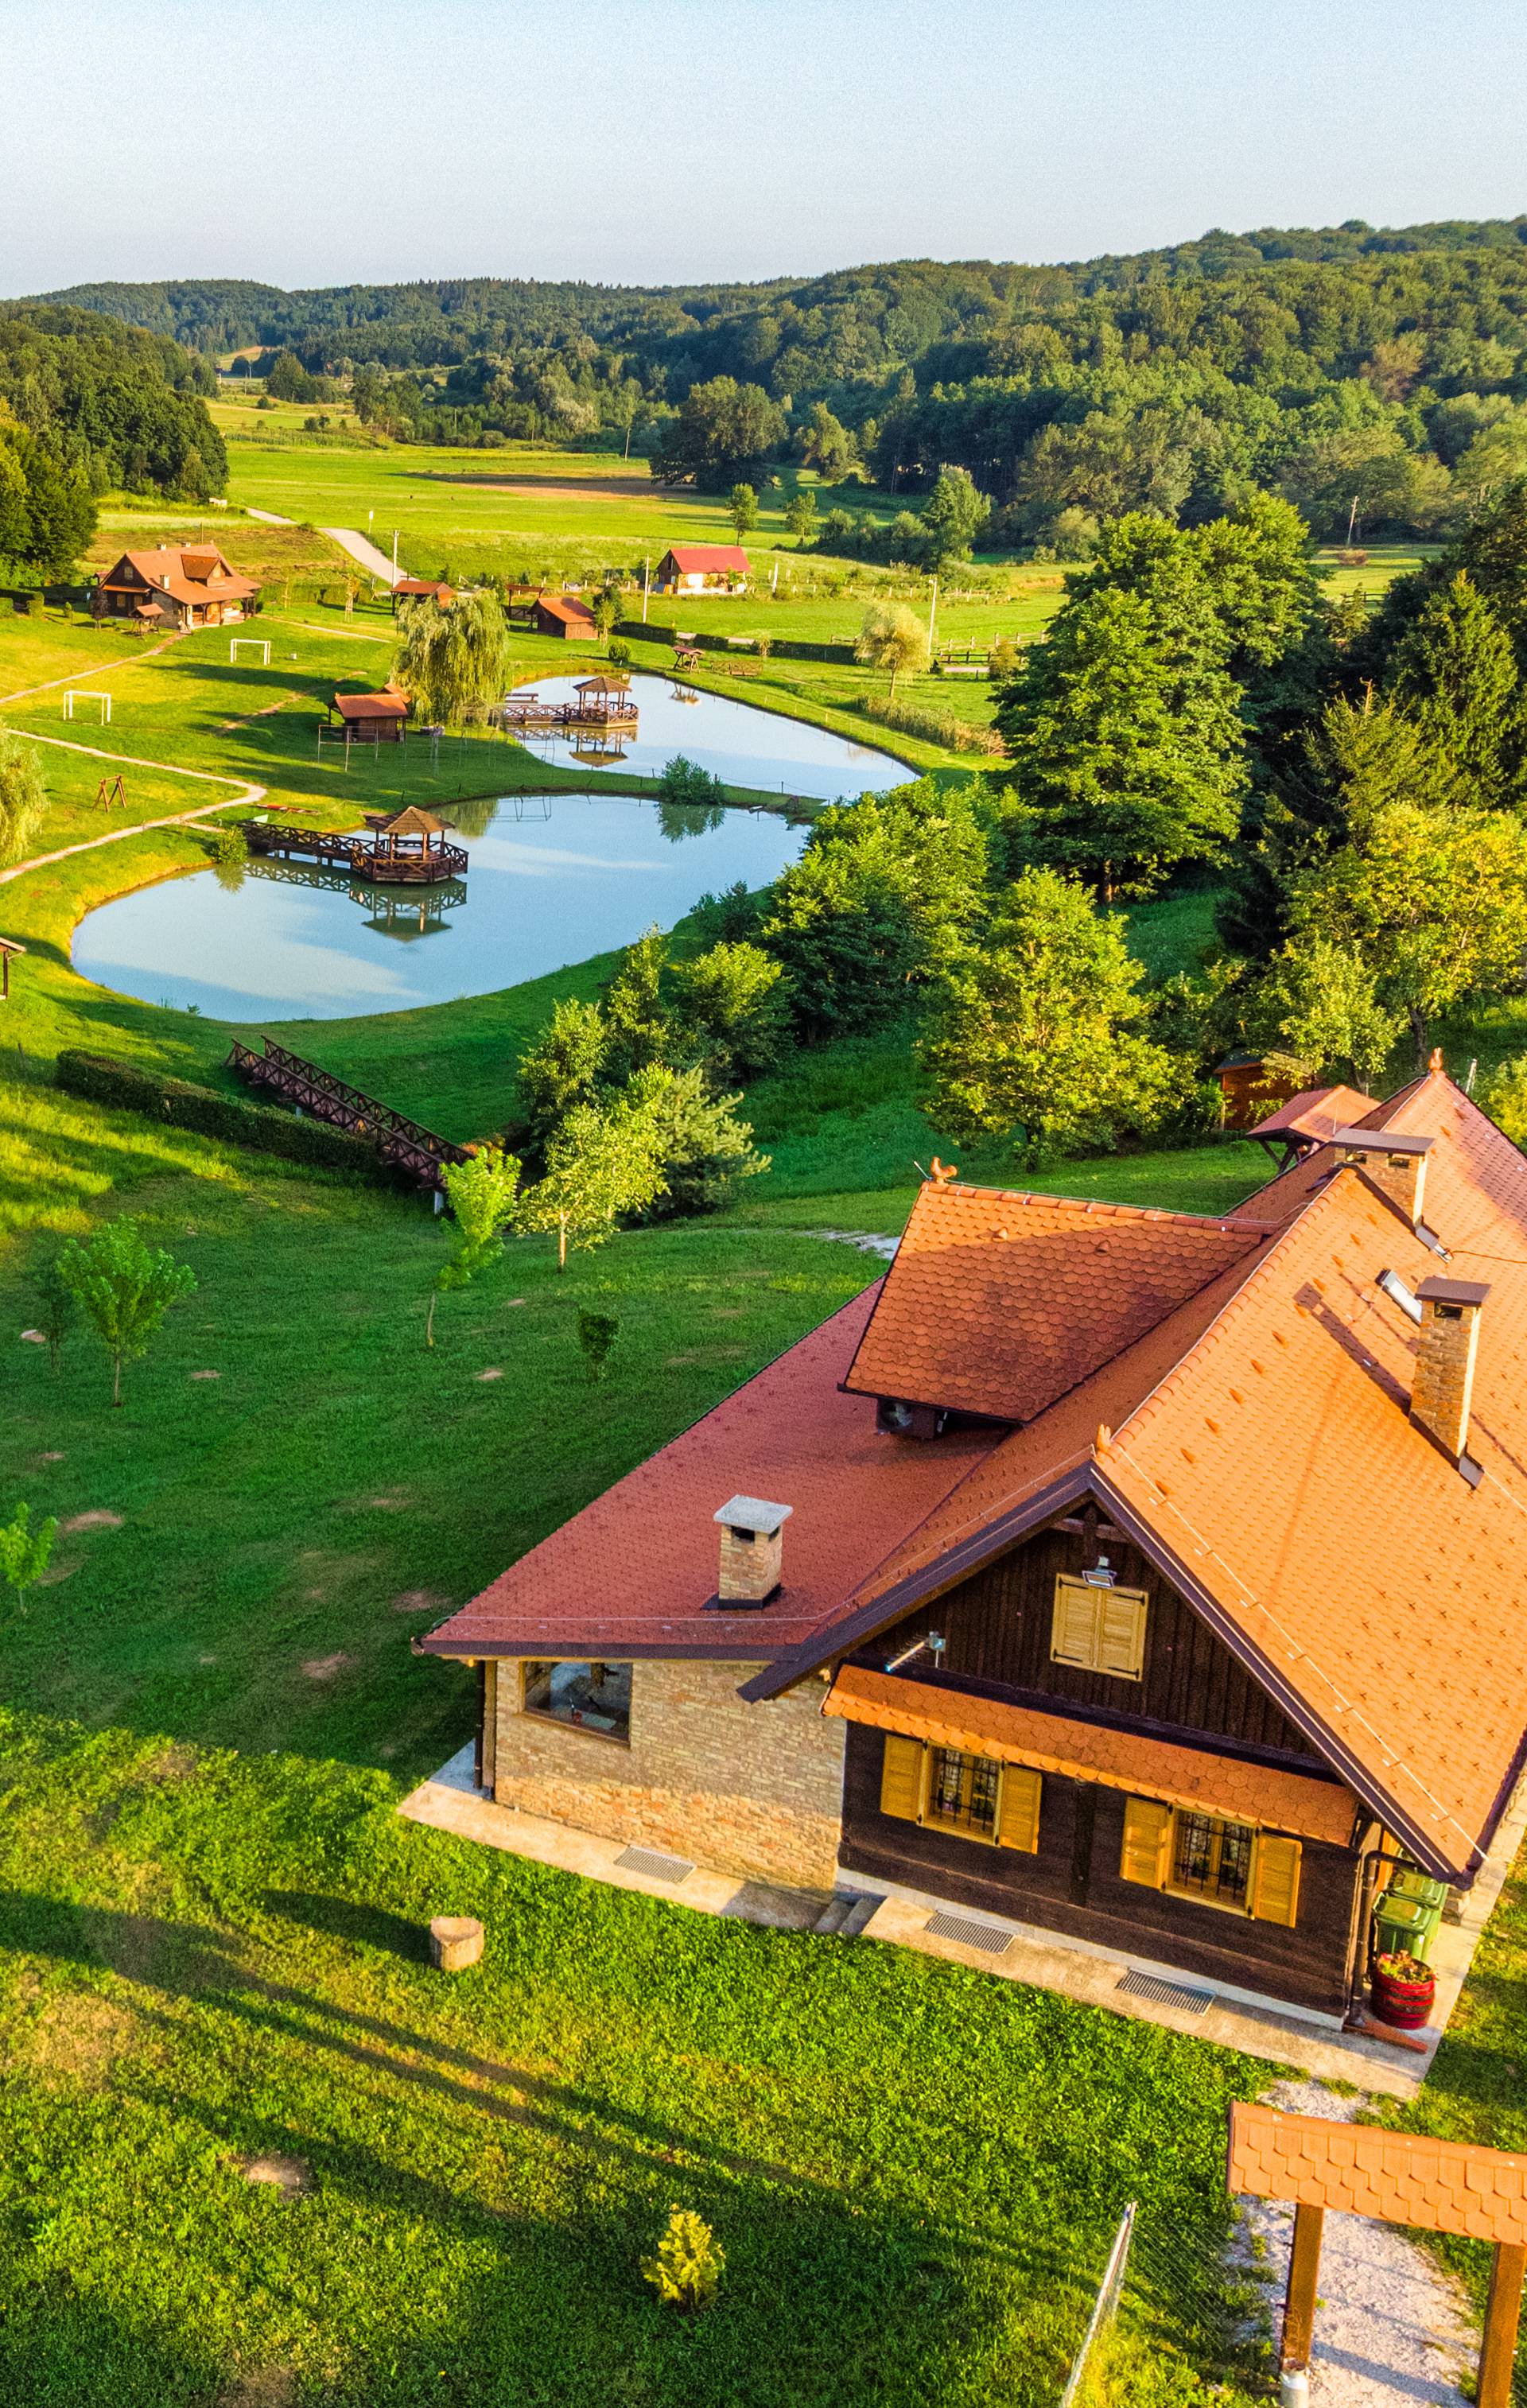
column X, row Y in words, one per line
column 247, row 792
column 553, row 489
column 96, row 669
column 1390, row 2325
column 361, row 550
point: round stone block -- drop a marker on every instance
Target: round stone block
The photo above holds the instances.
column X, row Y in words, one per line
column 455, row 1941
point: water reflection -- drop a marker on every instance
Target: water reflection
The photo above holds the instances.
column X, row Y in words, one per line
column 737, row 743
column 552, row 879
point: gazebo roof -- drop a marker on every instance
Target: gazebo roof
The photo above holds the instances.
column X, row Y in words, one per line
column 603, row 685
column 412, row 820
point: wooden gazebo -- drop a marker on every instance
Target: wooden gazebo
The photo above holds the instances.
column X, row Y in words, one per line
column 7, row 947
column 409, row 841
column 605, row 702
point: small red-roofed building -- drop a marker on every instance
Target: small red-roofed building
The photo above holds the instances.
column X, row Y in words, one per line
column 1150, row 1579
column 702, row 569
column 564, row 615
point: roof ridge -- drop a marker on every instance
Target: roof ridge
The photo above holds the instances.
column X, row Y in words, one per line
column 1154, row 1213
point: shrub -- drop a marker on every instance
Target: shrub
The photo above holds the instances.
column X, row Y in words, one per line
column 1503, row 1096
column 937, row 727
column 129, row 1088
column 687, row 2268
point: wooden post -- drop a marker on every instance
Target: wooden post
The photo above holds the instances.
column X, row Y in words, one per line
column 1304, row 2281
column 1497, row 2353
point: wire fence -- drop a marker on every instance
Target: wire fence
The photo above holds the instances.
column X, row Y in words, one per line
column 1105, row 2310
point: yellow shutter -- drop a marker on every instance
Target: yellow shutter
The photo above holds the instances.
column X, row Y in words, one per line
column 1121, row 1639
column 1147, row 1840
column 902, row 1777
column 1074, row 1632
column 1275, row 1888
column 1017, row 1808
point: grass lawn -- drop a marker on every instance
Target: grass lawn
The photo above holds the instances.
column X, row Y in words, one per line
column 210, row 1915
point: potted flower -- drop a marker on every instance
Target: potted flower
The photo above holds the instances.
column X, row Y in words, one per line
column 1403, row 1989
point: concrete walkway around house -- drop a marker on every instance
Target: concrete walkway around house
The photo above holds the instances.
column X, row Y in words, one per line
column 1156, row 1993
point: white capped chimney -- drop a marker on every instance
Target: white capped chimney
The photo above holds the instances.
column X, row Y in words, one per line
column 752, row 1550
column 1443, row 1387
column 1394, row 1162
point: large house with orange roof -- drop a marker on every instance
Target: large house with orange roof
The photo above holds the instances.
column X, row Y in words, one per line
column 1152, row 1579
column 184, row 585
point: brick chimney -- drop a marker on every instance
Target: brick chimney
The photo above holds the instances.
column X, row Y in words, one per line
column 752, row 1546
column 1443, row 1382
column 1394, row 1162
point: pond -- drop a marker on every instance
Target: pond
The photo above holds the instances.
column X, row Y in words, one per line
column 742, row 746
column 551, row 880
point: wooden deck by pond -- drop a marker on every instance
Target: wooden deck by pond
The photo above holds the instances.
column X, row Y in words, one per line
column 603, row 703
column 397, row 1140
column 375, row 857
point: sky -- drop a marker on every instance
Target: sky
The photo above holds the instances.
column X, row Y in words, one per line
column 313, row 142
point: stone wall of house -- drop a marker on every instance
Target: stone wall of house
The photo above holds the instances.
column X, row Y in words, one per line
column 751, row 1789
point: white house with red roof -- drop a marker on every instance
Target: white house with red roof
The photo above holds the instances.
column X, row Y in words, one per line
column 702, row 569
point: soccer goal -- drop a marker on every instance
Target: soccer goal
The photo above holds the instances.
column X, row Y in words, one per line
column 260, row 644
column 76, row 694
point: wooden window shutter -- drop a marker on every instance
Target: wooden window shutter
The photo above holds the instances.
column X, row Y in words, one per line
column 1017, row 1807
column 1148, row 1840
column 1275, row 1889
column 1073, row 1633
column 1121, row 1637
column 902, row 1777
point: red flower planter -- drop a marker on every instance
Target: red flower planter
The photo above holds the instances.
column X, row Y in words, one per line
column 1403, row 2000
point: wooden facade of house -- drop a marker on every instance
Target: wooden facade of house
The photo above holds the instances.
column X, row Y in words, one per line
column 997, row 1631
column 563, row 615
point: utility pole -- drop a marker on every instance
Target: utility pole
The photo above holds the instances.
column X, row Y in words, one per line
column 1351, row 522
column 933, row 617
column 394, row 555
column 646, row 583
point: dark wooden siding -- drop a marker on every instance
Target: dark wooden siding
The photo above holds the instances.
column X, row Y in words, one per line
column 998, row 1628
column 1072, row 1886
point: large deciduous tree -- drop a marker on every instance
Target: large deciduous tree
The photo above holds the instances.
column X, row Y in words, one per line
column 892, row 639
column 724, row 431
column 1035, row 1033
column 455, row 655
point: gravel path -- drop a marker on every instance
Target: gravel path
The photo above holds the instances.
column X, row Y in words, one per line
column 1390, row 2325
column 866, row 1243
column 360, row 547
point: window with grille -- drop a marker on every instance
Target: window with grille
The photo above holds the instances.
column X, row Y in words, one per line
column 962, row 1793
column 1212, row 1859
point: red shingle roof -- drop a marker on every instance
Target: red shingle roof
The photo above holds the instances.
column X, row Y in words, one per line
column 1316, row 1113
column 567, row 607
column 371, row 705
column 194, row 573
column 1403, row 2177
column 708, row 559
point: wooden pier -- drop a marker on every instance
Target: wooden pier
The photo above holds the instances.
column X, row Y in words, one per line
column 397, row 1140
column 382, row 858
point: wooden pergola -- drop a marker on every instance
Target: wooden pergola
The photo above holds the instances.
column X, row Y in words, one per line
column 1399, row 2178
column 7, row 947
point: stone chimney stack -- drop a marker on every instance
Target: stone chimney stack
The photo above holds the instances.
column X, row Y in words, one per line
column 1443, row 1382
column 752, row 1550
column 1394, row 1162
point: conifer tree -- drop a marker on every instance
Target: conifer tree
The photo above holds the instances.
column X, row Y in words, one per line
column 1455, row 671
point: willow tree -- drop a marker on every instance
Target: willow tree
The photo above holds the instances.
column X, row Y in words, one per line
column 454, row 655
column 23, row 797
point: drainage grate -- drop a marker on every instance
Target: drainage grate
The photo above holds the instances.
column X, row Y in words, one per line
column 1166, row 1993
column 985, row 1936
column 653, row 1867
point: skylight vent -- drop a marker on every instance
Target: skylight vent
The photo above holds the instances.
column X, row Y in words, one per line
column 1397, row 1292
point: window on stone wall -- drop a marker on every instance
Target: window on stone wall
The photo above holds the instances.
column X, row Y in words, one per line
column 595, row 1696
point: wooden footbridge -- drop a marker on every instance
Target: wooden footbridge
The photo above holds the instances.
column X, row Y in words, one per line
column 397, row 1140
column 388, row 856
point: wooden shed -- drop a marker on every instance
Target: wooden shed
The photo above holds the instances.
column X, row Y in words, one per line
column 564, row 615
column 380, row 718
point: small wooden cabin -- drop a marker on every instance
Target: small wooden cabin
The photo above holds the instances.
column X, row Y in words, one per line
column 379, row 717
column 415, row 589
column 564, row 615
column 189, row 585
column 702, row 569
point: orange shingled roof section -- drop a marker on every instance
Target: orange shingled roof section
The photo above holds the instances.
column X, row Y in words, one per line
column 1147, row 1768
column 1316, row 1112
column 1401, row 2177
column 636, row 1567
column 999, row 1303
column 1278, row 1464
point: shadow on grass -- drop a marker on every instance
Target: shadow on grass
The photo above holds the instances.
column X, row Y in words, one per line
column 361, row 1926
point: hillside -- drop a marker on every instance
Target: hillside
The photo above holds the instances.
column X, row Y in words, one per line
column 1382, row 367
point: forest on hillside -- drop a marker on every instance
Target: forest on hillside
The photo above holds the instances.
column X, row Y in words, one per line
column 1377, row 377
column 89, row 406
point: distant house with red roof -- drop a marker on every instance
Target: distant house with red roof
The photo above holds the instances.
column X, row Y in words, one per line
column 702, row 569
column 1151, row 1579
column 564, row 615
column 187, row 585
column 417, row 589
